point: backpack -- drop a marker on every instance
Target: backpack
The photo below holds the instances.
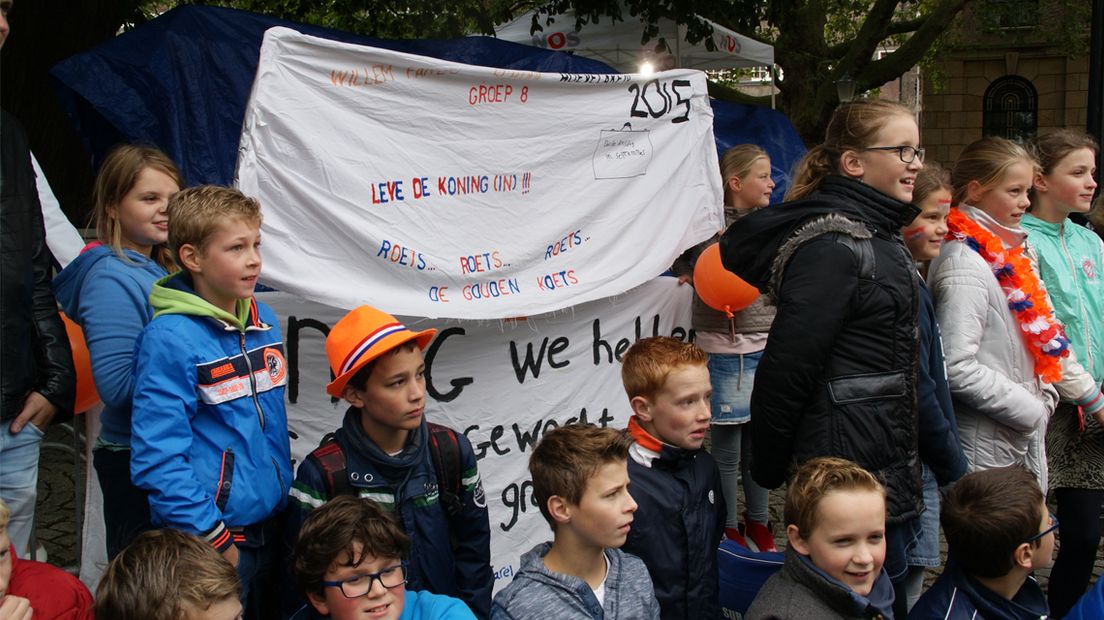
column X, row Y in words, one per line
column 444, row 448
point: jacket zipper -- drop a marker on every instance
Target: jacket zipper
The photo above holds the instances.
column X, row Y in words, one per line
column 1080, row 300
column 278, row 480
column 252, row 381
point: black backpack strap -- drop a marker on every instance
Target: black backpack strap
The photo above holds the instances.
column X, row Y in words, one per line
column 330, row 459
column 445, row 448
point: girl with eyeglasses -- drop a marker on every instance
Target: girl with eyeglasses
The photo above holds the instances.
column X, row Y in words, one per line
column 1001, row 341
column 838, row 375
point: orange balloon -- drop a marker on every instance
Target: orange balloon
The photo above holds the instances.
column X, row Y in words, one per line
column 87, row 397
column 718, row 287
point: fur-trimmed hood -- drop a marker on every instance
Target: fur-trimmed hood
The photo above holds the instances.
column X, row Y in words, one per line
column 831, row 223
column 759, row 245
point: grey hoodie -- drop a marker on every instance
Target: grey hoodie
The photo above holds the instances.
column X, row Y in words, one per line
column 539, row 593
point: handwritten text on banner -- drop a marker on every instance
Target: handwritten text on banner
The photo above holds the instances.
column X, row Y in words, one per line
column 438, row 189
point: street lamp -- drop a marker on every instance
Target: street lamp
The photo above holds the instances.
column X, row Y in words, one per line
column 845, row 88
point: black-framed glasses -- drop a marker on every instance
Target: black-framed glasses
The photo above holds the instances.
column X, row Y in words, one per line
column 908, row 154
column 1053, row 526
column 359, row 585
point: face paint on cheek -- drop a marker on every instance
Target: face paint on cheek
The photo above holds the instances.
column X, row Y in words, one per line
column 914, row 233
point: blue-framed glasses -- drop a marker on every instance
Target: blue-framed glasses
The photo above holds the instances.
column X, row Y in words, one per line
column 1053, row 526
column 908, row 154
column 359, row 585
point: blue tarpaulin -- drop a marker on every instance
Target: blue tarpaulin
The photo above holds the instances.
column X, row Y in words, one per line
column 182, row 81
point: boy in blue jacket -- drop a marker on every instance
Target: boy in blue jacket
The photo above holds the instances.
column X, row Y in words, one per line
column 581, row 485
column 998, row 533
column 209, row 428
column 387, row 452
column 681, row 513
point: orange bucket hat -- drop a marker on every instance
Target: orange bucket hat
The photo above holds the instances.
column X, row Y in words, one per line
column 362, row 336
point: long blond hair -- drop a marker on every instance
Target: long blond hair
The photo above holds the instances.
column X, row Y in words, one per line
column 853, row 126
column 737, row 162
column 116, row 178
column 986, row 161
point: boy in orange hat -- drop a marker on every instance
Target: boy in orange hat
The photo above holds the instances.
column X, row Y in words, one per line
column 386, row 451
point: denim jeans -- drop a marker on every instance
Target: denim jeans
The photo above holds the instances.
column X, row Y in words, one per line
column 19, row 481
column 126, row 511
column 732, row 377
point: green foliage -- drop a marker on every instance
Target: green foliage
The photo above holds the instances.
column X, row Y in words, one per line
column 816, row 41
column 427, row 19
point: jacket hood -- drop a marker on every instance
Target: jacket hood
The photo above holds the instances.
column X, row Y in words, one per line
column 567, row 587
column 393, row 467
column 749, row 246
column 68, row 283
column 174, row 294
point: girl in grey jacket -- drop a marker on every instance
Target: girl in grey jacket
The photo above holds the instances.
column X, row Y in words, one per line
column 1002, row 344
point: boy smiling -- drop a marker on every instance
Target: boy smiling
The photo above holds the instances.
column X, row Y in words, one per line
column 835, row 524
column 350, row 561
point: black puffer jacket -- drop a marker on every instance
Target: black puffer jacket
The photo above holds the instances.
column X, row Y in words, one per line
column 34, row 350
column 838, row 376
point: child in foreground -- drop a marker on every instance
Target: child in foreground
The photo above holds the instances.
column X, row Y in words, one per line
column 998, row 533
column 350, row 560
column 386, row 450
column 168, row 575
column 835, row 524
column 681, row 508
column 36, row 589
column 581, row 485
column 209, row 428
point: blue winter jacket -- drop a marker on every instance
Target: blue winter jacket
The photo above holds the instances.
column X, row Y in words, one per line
column 957, row 596
column 537, row 593
column 108, row 296
column 1090, row 606
column 449, row 556
column 937, row 431
column 209, row 428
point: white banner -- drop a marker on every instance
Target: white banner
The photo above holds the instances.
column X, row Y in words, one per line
column 438, row 189
column 502, row 383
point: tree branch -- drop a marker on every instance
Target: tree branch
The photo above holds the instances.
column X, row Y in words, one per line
column 727, row 93
column 905, row 26
column 911, row 51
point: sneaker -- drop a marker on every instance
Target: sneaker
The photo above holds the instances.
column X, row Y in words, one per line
column 735, row 536
column 759, row 536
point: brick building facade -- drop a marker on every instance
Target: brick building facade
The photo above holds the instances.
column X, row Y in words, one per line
column 1011, row 68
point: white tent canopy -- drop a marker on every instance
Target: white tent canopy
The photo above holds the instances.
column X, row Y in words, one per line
column 618, row 44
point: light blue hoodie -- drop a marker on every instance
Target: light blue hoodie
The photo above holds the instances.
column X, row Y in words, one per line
column 108, row 296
